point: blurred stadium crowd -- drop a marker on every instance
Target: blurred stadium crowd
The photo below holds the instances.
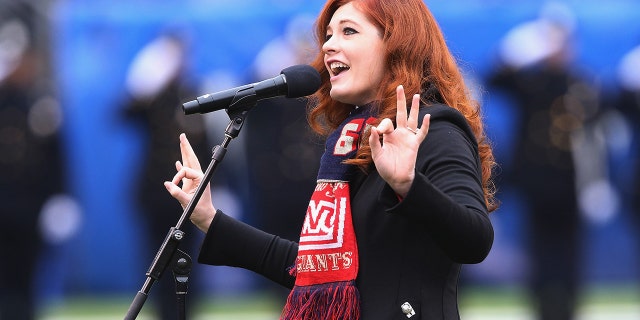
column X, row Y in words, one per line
column 90, row 97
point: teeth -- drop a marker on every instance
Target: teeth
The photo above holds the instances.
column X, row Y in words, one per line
column 337, row 67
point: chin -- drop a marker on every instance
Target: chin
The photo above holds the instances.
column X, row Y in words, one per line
column 338, row 97
column 342, row 97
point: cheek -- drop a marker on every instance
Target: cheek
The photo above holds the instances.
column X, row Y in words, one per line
column 376, row 72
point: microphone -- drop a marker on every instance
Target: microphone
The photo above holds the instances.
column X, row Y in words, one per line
column 293, row 82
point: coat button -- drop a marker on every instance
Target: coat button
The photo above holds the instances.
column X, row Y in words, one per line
column 407, row 309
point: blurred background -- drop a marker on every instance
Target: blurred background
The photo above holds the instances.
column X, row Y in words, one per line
column 90, row 111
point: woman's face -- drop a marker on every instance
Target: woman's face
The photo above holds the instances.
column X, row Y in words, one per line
column 354, row 56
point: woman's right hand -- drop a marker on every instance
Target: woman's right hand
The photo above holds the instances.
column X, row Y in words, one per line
column 190, row 174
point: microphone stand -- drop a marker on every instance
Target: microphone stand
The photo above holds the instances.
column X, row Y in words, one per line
column 169, row 254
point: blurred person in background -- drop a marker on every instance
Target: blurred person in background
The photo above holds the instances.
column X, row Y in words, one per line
column 282, row 148
column 156, row 88
column 34, row 203
column 555, row 105
column 403, row 194
column 627, row 103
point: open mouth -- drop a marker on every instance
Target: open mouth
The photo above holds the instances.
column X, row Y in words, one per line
column 338, row 67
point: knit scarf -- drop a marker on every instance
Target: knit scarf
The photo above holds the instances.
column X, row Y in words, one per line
column 327, row 262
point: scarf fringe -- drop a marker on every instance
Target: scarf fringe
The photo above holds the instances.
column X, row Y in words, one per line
column 330, row 301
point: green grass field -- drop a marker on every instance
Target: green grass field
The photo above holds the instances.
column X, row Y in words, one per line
column 601, row 303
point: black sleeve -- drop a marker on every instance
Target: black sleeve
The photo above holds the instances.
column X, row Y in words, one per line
column 447, row 195
column 230, row 242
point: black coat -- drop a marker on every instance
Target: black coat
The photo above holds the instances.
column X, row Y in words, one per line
column 409, row 250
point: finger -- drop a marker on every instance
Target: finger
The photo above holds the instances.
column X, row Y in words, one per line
column 177, row 178
column 374, row 141
column 185, row 174
column 192, row 174
column 424, row 129
column 177, row 193
column 188, row 155
column 184, row 148
column 173, row 189
column 385, row 126
column 179, row 167
column 413, row 114
column 401, row 113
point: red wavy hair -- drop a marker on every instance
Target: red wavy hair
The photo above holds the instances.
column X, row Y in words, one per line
column 418, row 58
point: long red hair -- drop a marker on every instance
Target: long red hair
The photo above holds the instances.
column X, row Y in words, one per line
column 418, row 58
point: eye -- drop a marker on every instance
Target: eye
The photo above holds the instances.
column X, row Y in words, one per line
column 349, row 31
column 327, row 37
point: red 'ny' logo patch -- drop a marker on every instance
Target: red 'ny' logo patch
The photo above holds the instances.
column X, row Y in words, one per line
column 323, row 226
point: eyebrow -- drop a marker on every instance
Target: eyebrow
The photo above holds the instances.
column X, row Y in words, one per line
column 343, row 21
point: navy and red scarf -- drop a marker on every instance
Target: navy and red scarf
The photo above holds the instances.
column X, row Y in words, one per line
column 327, row 262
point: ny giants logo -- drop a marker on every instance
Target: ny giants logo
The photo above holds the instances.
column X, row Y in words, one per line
column 323, row 226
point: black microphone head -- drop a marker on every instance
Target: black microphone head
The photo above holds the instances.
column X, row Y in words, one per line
column 302, row 80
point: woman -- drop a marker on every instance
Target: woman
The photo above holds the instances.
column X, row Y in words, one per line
column 402, row 197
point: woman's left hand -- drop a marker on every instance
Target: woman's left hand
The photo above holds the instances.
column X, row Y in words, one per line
column 395, row 156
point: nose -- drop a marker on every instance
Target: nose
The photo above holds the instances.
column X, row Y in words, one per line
column 330, row 45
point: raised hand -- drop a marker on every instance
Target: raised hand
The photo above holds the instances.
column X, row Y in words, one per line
column 395, row 154
column 190, row 175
